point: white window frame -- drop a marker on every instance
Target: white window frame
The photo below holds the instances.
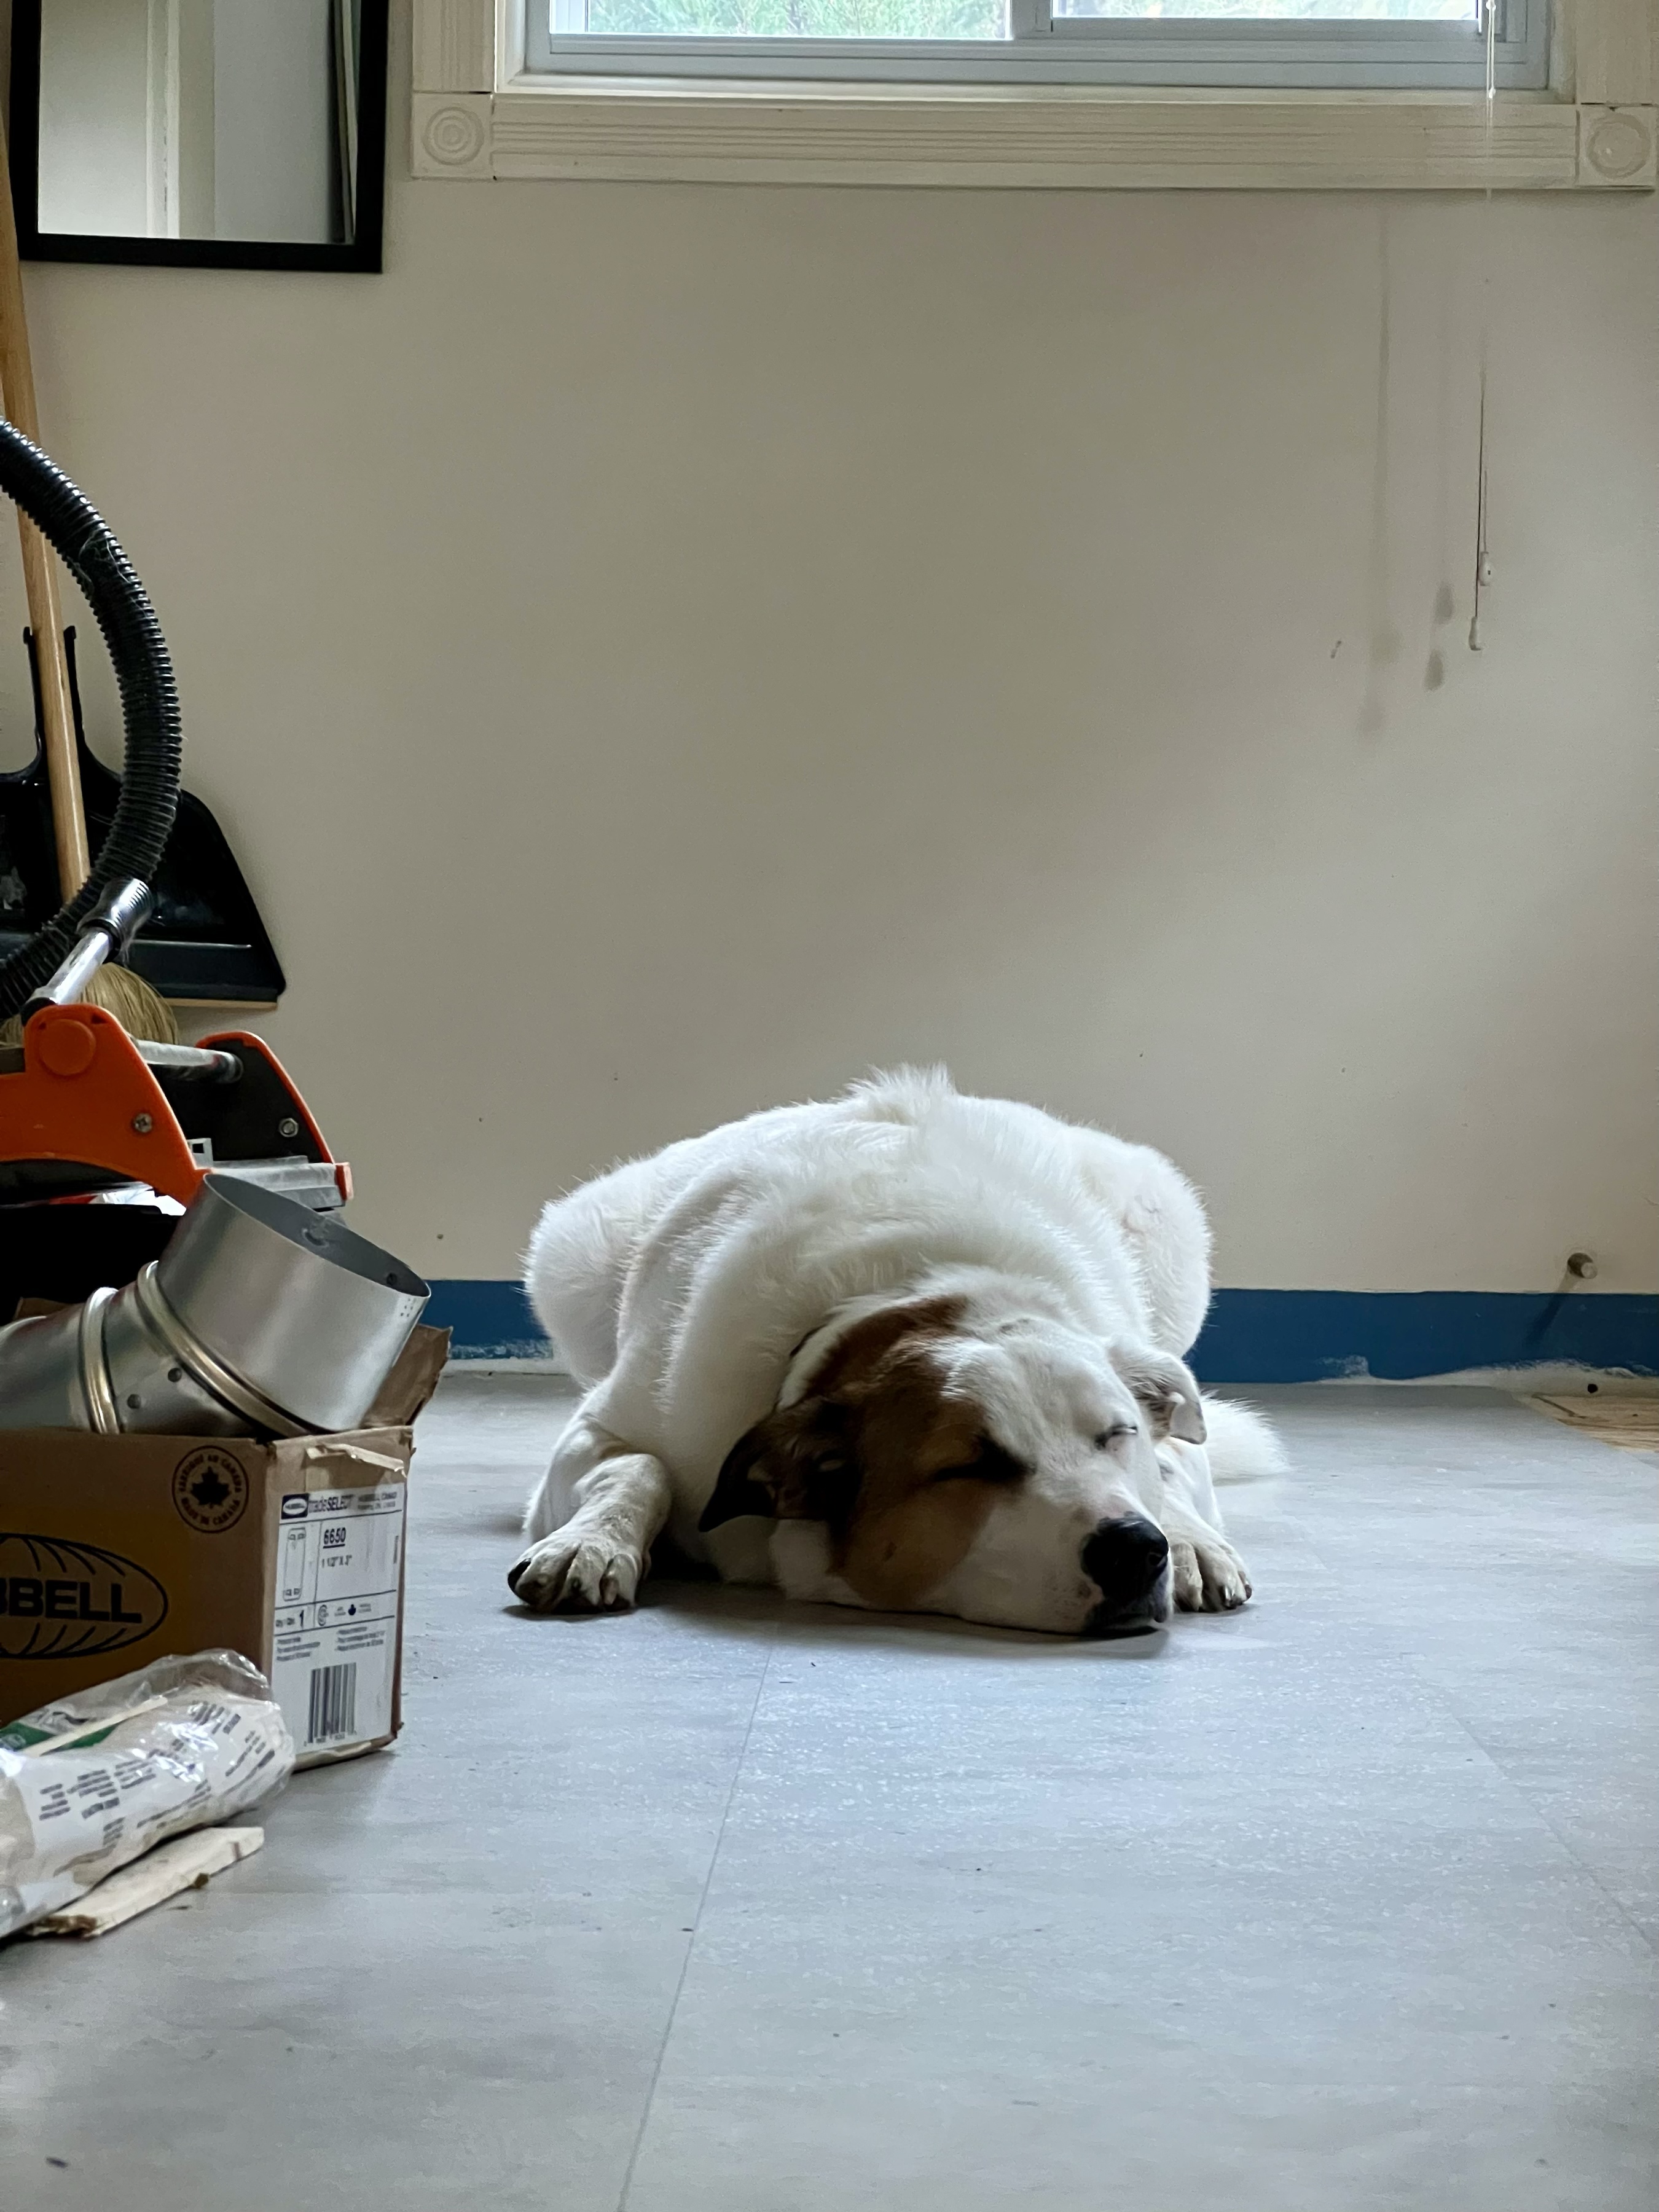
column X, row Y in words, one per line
column 479, row 115
column 1042, row 49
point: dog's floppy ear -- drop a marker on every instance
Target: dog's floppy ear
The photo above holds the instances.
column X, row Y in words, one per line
column 799, row 1464
column 1165, row 1388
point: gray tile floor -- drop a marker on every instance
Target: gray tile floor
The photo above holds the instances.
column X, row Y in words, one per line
column 1348, row 1902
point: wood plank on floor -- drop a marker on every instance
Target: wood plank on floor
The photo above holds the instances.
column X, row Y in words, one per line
column 1632, row 1423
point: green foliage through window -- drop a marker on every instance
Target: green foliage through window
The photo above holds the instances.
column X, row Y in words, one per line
column 962, row 19
column 798, row 19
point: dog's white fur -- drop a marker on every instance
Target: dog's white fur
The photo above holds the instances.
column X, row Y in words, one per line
column 693, row 1292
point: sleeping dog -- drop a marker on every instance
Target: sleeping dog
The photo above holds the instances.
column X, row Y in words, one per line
column 907, row 1349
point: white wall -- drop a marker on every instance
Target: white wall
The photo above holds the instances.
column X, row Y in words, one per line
column 659, row 650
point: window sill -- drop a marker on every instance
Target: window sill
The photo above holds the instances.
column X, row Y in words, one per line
column 474, row 118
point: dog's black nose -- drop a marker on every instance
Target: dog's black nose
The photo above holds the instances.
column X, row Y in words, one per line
column 1125, row 1560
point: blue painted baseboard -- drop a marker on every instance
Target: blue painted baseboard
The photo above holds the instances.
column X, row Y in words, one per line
column 1267, row 1336
column 1310, row 1336
column 490, row 1320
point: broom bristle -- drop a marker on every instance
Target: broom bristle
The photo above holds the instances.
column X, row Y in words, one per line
column 140, row 1009
column 138, row 1006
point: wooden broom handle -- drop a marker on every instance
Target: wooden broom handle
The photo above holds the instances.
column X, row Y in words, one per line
column 69, row 813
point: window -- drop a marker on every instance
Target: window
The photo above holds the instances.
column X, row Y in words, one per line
column 1041, row 94
column 1396, row 45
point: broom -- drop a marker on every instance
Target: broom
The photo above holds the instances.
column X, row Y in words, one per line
column 139, row 1008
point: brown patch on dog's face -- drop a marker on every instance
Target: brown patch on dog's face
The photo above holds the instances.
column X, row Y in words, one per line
column 902, row 1476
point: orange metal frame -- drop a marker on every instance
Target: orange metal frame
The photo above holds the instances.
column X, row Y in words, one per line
column 84, row 1094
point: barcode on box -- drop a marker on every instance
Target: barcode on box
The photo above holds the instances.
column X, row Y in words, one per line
column 333, row 1709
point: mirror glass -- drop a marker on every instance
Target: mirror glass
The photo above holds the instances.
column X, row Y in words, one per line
column 207, row 119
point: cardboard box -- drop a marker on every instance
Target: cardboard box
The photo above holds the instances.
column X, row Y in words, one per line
column 117, row 1550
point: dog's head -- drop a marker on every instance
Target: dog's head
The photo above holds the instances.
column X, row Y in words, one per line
column 940, row 1457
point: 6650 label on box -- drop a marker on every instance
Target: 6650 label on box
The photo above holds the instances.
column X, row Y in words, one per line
column 334, row 1631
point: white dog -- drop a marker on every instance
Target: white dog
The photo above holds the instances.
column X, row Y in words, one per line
column 909, row 1350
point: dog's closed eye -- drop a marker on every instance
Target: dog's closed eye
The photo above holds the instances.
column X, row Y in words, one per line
column 1118, row 1430
column 990, row 1463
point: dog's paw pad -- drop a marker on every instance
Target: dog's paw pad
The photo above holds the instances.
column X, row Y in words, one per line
column 1208, row 1578
column 1186, row 1583
column 569, row 1572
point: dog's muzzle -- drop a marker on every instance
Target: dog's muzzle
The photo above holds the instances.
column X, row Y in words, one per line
column 1129, row 1563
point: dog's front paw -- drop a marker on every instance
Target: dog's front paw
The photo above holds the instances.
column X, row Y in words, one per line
column 576, row 1570
column 1209, row 1576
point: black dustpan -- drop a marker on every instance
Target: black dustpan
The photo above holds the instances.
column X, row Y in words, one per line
column 204, row 938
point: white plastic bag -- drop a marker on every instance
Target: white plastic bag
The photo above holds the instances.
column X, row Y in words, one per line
column 95, row 1780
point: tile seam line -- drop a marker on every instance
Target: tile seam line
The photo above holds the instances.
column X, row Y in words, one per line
column 1443, row 1695
column 1564, row 1843
column 1620, row 1909
column 696, row 1924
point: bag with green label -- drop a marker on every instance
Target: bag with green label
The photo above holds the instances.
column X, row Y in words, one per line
column 95, row 1780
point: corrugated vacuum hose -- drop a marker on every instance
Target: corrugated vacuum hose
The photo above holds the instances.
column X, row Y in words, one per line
column 149, row 705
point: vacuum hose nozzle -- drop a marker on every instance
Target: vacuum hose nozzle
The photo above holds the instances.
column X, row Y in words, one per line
column 105, row 931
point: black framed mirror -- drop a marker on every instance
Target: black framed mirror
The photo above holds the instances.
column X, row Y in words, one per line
column 200, row 134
